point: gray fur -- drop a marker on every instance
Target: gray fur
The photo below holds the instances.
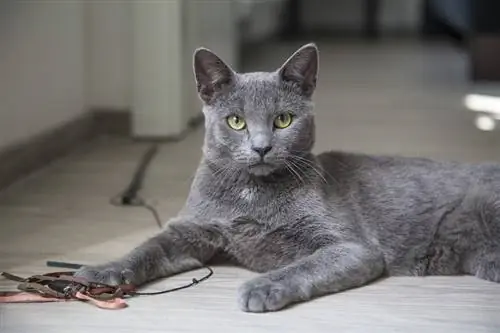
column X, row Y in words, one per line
column 312, row 225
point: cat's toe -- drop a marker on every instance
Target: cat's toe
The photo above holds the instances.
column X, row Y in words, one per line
column 489, row 270
column 110, row 274
column 487, row 266
column 262, row 295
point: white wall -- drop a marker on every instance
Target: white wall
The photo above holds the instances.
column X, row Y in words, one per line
column 165, row 35
column 140, row 57
column 211, row 24
column 41, row 67
column 60, row 58
column 109, row 54
column 156, row 58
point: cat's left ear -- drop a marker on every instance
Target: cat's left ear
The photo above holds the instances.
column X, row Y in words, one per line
column 302, row 69
column 212, row 75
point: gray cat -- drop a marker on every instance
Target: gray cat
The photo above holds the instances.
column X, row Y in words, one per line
column 312, row 225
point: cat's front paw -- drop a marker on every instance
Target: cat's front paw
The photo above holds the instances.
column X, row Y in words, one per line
column 263, row 295
column 110, row 274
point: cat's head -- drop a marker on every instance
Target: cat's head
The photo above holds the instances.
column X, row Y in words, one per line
column 259, row 122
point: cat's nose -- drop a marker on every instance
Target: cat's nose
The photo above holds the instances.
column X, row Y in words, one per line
column 262, row 151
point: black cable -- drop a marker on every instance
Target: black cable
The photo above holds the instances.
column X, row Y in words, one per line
column 194, row 282
column 61, row 264
column 130, row 194
column 138, row 202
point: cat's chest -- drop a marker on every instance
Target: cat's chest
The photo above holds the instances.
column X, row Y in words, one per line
column 258, row 203
column 261, row 204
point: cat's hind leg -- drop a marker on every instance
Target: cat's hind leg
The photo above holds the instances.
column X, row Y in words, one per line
column 483, row 260
column 486, row 264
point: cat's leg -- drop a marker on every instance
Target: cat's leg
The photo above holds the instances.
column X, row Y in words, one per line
column 183, row 245
column 479, row 232
column 330, row 269
column 486, row 264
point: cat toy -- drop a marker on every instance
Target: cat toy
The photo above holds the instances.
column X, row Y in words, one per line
column 63, row 286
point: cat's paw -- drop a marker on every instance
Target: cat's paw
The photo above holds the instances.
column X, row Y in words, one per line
column 110, row 274
column 487, row 265
column 263, row 295
column 489, row 270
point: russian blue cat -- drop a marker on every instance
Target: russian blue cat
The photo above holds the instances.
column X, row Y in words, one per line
column 312, row 225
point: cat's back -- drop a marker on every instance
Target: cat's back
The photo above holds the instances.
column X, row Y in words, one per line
column 399, row 181
column 400, row 176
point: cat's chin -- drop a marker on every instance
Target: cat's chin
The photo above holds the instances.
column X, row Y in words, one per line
column 262, row 169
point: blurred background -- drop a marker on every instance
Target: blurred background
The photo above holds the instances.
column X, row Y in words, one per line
column 86, row 86
column 394, row 73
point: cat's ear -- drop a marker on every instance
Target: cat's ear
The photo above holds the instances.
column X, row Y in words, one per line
column 302, row 69
column 211, row 73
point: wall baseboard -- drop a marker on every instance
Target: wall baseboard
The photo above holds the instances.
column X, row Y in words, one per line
column 192, row 124
column 21, row 159
column 112, row 122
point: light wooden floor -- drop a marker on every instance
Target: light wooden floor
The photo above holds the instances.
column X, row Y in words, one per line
column 396, row 98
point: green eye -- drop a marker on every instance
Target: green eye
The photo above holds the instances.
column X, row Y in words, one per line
column 283, row 120
column 236, row 123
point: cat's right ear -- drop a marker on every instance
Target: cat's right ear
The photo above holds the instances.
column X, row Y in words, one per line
column 302, row 69
column 212, row 75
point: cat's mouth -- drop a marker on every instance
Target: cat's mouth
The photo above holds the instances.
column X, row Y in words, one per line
column 261, row 168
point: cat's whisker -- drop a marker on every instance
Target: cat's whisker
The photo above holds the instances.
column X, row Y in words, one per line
column 221, row 174
column 306, row 163
column 321, row 170
column 321, row 173
column 296, row 175
column 338, row 161
column 289, row 165
column 302, row 168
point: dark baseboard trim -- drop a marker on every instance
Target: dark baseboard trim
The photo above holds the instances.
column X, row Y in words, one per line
column 19, row 160
column 22, row 159
column 192, row 124
column 112, row 122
